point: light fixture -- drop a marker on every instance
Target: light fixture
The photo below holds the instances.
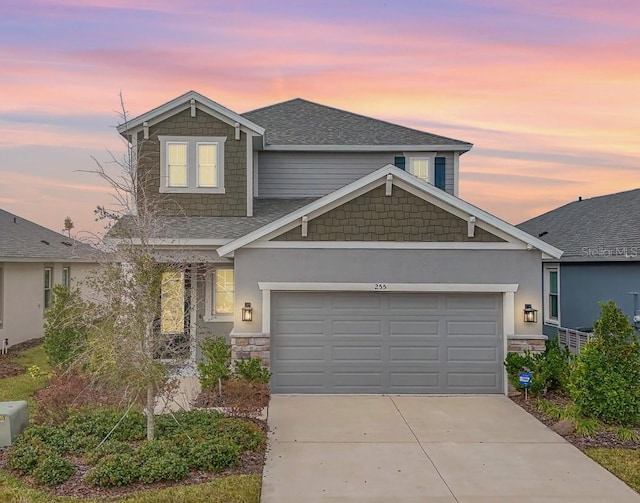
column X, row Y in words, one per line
column 530, row 314
column 247, row 312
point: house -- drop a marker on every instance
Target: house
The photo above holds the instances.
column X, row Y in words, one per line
column 32, row 260
column 601, row 260
column 334, row 247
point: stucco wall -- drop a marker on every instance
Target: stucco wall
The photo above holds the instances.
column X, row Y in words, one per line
column 374, row 216
column 232, row 203
column 387, row 266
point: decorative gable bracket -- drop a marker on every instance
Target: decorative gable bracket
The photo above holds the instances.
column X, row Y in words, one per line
column 305, row 226
column 389, row 186
column 471, row 226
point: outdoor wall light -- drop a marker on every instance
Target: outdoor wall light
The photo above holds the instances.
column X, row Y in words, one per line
column 530, row 314
column 247, row 312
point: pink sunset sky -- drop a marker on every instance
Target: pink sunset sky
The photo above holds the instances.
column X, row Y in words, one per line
column 548, row 91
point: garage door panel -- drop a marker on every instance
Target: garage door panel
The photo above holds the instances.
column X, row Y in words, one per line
column 414, row 354
column 386, row 343
column 426, row 328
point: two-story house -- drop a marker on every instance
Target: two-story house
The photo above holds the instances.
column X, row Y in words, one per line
column 334, row 247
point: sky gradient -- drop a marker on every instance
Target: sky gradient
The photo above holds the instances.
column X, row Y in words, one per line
column 548, row 94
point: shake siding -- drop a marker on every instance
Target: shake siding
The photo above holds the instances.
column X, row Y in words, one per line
column 315, row 174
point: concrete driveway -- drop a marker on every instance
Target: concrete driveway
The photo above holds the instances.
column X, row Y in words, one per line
column 363, row 448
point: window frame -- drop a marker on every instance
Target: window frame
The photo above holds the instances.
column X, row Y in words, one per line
column 430, row 167
column 1, row 296
column 65, row 278
column 548, row 269
column 186, row 166
column 47, row 290
column 192, row 177
column 210, row 292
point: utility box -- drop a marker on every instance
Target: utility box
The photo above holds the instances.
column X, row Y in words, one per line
column 14, row 418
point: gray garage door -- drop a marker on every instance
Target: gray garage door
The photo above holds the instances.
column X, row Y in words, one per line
column 386, row 343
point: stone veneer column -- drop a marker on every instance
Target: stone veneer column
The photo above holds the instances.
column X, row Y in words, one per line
column 247, row 346
column 520, row 343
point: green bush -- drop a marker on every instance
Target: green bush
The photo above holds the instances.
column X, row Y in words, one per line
column 81, row 444
column 109, row 448
column 53, row 470
column 550, row 369
column 217, row 362
column 65, row 335
column 24, row 458
column 252, row 370
column 197, row 422
column 604, row 380
column 169, row 467
column 57, row 439
column 98, row 422
column 213, row 455
column 115, row 470
column 244, row 433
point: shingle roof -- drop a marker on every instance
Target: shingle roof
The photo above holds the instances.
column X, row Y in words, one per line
column 182, row 227
column 302, row 122
column 600, row 228
column 23, row 239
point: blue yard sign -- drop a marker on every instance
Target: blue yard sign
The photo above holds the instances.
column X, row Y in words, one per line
column 525, row 379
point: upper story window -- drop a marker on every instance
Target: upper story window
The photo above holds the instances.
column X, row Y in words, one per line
column 192, row 164
column 419, row 167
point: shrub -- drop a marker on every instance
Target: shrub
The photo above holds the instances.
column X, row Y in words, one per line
column 81, row 444
column 196, row 422
column 245, row 399
column 92, row 421
column 213, row 455
column 115, row 470
column 109, row 448
column 243, row 432
column 550, row 369
column 604, row 381
column 53, row 470
column 56, row 439
column 169, row 466
column 23, row 458
column 217, row 361
column 253, row 370
column 65, row 335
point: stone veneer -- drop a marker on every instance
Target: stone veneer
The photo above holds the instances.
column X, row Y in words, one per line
column 375, row 216
column 233, row 203
column 522, row 343
column 251, row 346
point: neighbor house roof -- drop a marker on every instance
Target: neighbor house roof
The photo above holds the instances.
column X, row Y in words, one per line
column 215, row 230
column 600, row 228
column 396, row 176
column 304, row 123
column 23, row 240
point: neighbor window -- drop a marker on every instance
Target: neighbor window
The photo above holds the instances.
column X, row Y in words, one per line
column 48, row 280
column 66, row 277
column 220, row 291
column 1, row 296
column 172, row 303
column 552, row 294
column 419, row 167
column 192, row 164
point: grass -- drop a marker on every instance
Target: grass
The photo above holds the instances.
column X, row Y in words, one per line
column 23, row 386
column 623, row 463
column 232, row 489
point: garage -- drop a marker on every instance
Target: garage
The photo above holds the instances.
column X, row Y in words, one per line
column 386, row 342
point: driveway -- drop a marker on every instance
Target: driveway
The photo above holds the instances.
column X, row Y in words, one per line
column 365, row 448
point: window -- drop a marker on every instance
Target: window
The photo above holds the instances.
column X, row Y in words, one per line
column 48, row 280
column 192, row 164
column 552, row 295
column 1, row 296
column 66, row 277
column 440, row 172
column 172, row 303
column 420, row 167
column 220, row 291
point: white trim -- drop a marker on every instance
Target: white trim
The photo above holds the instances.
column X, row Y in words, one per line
column 429, row 157
column 180, row 103
column 169, row 242
column 249, row 176
column 266, row 311
column 388, row 245
column 209, row 293
column 456, row 173
column 546, row 305
column 389, row 287
column 255, row 171
column 369, row 148
column 508, row 328
column 400, row 178
column 193, row 316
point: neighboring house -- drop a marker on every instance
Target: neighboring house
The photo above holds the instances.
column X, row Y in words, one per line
column 32, row 260
column 334, row 247
column 601, row 260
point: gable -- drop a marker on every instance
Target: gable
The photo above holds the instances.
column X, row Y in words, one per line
column 401, row 217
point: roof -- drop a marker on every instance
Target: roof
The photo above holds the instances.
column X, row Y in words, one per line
column 600, row 228
column 21, row 239
column 188, row 229
column 161, row 112
column 398, row 177
column 302, row 122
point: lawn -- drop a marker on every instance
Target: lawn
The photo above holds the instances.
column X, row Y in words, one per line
column 22, row 386
column 623, row 463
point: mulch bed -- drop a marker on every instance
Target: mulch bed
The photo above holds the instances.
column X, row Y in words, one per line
column 8, row 368
column 231, row 394
column 601, row 439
